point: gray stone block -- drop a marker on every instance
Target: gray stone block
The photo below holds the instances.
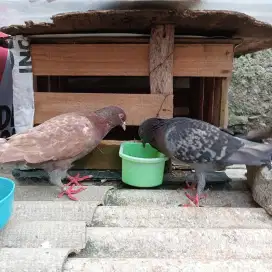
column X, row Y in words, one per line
column 166, row 265
column 145, row 197
column 54, row 210
column 172, row 217
column 33, row 259
column 177, row 243
column 46, row 193
column 38, row 234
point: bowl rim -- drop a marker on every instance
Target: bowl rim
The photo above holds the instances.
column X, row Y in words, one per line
column 140, row 160
column 11, row 191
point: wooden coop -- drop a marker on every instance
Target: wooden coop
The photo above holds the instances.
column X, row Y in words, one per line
column 152, row 67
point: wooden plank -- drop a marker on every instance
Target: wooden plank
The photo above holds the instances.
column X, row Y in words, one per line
column 105, row 156
column 137, row 106
column 217, row 102
column 224, row 111
column 201, row 99
column 206, row 60
column 161, row 57
column 161, row 53
column 122, row 39
column 128, row 59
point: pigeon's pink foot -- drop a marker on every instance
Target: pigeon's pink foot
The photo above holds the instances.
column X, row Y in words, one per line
column 190, row 187
column 69, row 192
column 196, row 199
column 74, row 181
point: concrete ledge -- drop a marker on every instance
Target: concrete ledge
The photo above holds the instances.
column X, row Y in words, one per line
column 48, row 192
column 166, row 265
column 173, row 217
column 33, row 259
column 145, row 197
column 50, row 234
column 54, row 210
column 178, row 242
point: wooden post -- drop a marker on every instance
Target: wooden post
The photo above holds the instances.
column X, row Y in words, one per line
column 224, row 112
column 161, row 56
column 161, row 59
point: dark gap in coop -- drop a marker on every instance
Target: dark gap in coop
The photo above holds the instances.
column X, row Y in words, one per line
column 117, row 133
column 93, row 84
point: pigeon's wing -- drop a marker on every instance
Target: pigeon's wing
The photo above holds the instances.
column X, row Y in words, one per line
column 62, row 137
column 194, row 141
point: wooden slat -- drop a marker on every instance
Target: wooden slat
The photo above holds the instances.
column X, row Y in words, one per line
column 206, row 60
column 128, row 59
column 224, row 113
column 123, row 39
column 105, row 156
column 137, row 106
column 161, row 52
column 217, row 101
column 161, row 62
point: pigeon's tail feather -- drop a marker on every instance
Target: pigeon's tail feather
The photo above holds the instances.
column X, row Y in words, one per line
column 252, row 154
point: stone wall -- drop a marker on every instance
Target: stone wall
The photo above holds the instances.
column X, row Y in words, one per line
column 250, row 94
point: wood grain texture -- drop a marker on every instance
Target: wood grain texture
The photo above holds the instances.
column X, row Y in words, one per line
column 217, row 101
column 206, row 60
column 224, row 108
column 138, row 107
column 128, row 59
column 105, row 156
column 161, row 52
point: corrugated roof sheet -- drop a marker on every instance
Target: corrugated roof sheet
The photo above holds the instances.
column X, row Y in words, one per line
column 209, row 18
column 18, row 11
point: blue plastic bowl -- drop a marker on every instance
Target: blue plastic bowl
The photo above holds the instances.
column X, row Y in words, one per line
column 7, row 188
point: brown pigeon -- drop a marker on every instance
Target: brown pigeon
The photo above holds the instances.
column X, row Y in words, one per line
column 202, row 145
column 55, row 144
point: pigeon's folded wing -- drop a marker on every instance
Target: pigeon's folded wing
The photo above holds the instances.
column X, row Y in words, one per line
column 60, row 138
column 199, row 143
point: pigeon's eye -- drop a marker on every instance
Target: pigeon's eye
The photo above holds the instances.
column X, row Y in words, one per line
column 121, row 116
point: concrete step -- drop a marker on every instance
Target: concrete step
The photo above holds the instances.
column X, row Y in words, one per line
column 37, row 234
column 144, row 197
column 33, row 259
column 176, row 242
column 50, row 193
column 54, row 210
column 150, row 217
column 154, row 217
column 166, row 265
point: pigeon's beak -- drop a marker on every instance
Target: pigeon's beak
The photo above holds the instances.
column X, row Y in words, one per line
column 143, row 143
column 123, row 125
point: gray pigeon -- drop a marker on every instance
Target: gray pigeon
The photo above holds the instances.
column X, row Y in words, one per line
column 55, row 144
column 202, row 145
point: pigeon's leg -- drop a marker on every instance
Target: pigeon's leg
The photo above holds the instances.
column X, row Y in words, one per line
column 56, row 177
column 74, row 181
column 201, row 182
column 191, row 186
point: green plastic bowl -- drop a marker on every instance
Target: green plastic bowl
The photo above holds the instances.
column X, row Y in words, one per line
column 141, row 167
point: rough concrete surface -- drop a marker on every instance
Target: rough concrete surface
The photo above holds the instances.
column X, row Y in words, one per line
column 137, row 224
column 36, row 234
column 172, row 217
column 33, row 259
column 50, row 193
column 177, row 242
column 250, row 91
column 260, row 182
column 166, row 265
column 54, row 210
column 145, row 197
